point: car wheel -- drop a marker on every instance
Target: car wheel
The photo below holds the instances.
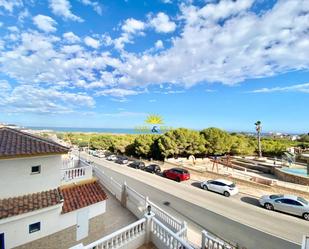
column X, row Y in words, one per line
column 205, row 187
column 269, row 206
column 164, row 175
column 306, row 216
column 226, row 194
column 178, row 179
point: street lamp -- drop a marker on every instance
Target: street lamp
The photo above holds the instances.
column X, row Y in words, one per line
column 258, row 128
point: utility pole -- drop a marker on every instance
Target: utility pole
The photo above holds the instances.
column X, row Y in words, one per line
column 258, row 128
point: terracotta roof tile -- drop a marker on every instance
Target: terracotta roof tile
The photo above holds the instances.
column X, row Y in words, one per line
column 17, row 143
column 80, row 196
column 27, row 203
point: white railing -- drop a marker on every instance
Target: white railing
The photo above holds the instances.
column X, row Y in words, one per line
column 210, row 242
column 168, row 220
column 163, row 237
column 134, row 232
column 76, row 174
column 139, row 200
column 113, row 186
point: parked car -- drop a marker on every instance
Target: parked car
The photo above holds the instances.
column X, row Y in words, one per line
column 111, row 158
column 137, row 165
column 177, row 174
column 290, row 204
column 100, row 155
column 227, row 188
column 122, row 160
column 153, row 168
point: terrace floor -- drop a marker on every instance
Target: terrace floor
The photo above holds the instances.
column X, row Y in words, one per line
column 113, row 219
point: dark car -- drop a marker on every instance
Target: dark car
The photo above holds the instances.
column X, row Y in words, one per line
column 137, row 165
column 121, row 160
column 177, row 174
column 153, row 168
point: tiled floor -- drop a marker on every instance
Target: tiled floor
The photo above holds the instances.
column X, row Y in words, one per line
column 114, row 218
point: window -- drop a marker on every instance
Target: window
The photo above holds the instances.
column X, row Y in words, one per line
column 36, row 169
column 35, row 227
column 289, row 202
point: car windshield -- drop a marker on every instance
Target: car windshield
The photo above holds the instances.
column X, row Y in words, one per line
column 275, row 196
column 302, row 200
column 232, row 185
column 183, row 171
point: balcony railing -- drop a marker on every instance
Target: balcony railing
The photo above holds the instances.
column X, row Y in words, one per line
column 70, row 175
column 121, row 237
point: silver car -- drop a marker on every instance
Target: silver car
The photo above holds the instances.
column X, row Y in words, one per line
column 290, row 204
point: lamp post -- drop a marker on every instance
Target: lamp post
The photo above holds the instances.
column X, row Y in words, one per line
column 258, row 128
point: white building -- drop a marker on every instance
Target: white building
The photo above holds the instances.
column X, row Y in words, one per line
column 37, row 196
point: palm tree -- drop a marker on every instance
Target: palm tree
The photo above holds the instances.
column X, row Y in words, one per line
column 258, row 128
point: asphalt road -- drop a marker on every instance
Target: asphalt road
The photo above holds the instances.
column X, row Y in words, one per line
column 236, row 219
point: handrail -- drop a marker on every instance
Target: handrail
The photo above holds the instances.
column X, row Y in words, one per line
column 175, row 223
column 114, row 234
column 170, row 232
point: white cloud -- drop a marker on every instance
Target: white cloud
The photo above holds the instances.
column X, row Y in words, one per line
column 132, row 25
column 95, row 5
column 89, row 41
column 130, row 28
column 118, row 92
column 63, row 8
column 162, row 24
column 9, row 5
column 229, row 47
column 303, row 88
column 28, row 98
column 243, row 46
column 159, row 44
column 45, row 23
column 71, row 37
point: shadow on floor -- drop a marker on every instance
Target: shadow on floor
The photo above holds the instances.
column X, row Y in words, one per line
column 196, row 184
column 250, row 200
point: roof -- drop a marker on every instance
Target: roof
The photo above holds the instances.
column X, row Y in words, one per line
column 15, row 143
column 28, row 203
column 83, row 195
column 227, row 182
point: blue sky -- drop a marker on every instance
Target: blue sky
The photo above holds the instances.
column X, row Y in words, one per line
column 202, row 63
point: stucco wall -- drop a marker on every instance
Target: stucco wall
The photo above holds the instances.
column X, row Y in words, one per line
column 16, row 229
column 16, row 178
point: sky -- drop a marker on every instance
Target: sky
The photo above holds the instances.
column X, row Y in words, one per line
column 196, row 63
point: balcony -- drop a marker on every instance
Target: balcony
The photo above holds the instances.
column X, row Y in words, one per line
column 72, row 175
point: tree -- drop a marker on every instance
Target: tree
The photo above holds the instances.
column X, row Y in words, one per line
column 217, row 141
column 181, row 142
column 143, row 145
column 242, row 145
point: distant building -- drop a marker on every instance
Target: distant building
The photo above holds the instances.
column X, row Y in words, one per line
column 39, row 197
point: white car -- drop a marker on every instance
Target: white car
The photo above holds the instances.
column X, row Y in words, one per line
column 111, row 158
column 286, row 203
column 227, row 188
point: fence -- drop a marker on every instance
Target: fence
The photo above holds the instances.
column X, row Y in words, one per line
column 76, row 174
column 163, row 237
column 113, row 186
column 210, row 242
column 168, row 220
column 136, row 202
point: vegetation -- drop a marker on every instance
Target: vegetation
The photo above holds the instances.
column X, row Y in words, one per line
column 183, row 142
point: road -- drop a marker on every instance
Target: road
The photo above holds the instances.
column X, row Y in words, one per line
column 234, row 219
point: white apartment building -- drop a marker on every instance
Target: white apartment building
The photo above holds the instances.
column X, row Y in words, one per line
column 37, row 196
